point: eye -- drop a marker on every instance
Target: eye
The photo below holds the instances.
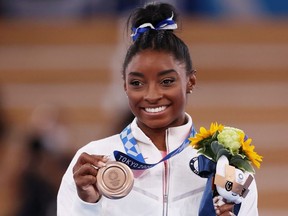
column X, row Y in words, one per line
column 167, row 81
column 135, row 83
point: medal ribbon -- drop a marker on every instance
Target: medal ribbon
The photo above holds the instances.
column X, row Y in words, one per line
column 134, row 158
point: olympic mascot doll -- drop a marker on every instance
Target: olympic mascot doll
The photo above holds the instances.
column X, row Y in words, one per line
column 225, row 158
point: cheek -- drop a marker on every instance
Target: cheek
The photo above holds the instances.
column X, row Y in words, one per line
column 133, row 98
column 180, row 98
column 180, row 93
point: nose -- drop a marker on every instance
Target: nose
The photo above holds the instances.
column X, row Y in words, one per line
column 153, row 94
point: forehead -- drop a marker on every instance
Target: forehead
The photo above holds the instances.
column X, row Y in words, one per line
column 155, row 61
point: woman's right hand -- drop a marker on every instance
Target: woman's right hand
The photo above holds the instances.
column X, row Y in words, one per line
column 84, row 173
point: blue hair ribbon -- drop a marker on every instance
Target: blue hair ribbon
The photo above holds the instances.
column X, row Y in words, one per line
column 167, row 24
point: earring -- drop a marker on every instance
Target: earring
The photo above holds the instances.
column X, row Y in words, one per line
column 190, row 91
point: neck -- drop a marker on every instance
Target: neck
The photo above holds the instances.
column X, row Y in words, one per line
column 157, row 135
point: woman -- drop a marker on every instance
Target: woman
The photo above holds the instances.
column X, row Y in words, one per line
column 158, row 76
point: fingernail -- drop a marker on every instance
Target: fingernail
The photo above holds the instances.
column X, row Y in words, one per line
column 217, row 212
column 106, row 157
column 101, row 164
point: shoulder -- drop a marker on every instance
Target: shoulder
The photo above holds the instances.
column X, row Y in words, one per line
column 102, row 146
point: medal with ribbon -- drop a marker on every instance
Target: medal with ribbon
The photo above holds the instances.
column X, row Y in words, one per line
column 115, row 180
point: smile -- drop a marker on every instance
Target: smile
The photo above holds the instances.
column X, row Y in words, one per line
column 156, row 109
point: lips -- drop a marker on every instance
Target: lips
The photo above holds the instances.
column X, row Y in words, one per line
column 155, row 109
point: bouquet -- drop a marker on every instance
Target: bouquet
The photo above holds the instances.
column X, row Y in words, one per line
column 233, row 155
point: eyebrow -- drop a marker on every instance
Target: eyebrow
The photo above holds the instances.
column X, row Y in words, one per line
column 165, row 72
column 161, row 73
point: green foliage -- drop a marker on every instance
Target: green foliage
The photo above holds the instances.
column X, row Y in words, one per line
column 211, row 148
column 241, row 163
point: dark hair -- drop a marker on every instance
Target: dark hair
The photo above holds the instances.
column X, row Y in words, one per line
column 159, row 40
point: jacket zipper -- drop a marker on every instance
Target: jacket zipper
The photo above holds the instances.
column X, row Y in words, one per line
column 166, row 181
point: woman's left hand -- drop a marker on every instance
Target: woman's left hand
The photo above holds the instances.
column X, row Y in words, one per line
column 222, row 208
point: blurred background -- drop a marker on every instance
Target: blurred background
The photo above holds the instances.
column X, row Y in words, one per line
column 61, row 87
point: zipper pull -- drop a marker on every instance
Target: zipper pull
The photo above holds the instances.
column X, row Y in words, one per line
column 165, row 198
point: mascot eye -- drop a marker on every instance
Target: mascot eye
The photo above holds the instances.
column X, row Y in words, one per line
column 228, row 186
column 240, row 176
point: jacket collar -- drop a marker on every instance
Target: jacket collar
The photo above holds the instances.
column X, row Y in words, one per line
column 176, row 135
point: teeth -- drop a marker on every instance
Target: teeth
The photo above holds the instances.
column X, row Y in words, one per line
column 155, row 110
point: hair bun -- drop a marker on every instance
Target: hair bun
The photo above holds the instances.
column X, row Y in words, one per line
column 157, row 16
column 152, row 29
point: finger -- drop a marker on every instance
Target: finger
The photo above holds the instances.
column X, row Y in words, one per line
column 96, row 160
column 218, row 201
column 85, row 181
column 227, row 214
column 86, row 169
column 92, row 159
column 226, row 208
column 215, row 199
column 85, row 176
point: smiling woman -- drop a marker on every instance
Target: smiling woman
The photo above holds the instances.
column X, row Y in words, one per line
column 158, row 76
column 157, row 85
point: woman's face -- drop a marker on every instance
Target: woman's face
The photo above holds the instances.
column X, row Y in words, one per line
column 157, row 85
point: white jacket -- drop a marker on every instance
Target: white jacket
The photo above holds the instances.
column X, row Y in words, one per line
column 180, row 197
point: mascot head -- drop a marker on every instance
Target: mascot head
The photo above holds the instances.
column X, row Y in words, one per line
column 231, row 183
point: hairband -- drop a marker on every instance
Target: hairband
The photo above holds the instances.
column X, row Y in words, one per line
column 167, row 24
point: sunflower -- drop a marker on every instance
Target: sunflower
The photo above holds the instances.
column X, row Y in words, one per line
column 248, row 150
column 204, row 133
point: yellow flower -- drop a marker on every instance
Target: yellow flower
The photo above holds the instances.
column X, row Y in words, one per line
column 249, row 151
column 204, row 133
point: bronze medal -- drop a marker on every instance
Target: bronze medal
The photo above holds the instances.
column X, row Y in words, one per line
column 115, row 180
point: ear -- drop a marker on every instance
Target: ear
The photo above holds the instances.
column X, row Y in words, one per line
column 191, row 82
column 220, row 166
